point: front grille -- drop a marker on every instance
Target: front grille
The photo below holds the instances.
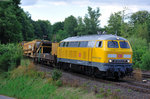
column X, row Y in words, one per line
column 119, row 61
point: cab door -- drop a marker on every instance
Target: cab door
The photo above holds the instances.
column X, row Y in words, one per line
column 98, row 52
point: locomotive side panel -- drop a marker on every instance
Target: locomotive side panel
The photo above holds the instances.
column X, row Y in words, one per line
column 81, row 54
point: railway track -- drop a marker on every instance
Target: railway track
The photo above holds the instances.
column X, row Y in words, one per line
column 145, row 75
column 135, row 86
column 122, row 83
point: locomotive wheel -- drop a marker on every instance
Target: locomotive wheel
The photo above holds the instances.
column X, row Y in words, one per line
column 88, row 71
column 116, row 76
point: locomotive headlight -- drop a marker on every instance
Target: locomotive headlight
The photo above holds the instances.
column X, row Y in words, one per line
column 128, row 61
column 112, row 55
column 110, row 61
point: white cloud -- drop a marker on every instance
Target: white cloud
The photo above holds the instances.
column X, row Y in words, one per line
column 58, row 3
column 58, row 10
column 28, row 2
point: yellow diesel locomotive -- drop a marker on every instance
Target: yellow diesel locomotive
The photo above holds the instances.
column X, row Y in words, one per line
column 99, row 55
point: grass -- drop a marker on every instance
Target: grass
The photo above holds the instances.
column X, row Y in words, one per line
column 118, row 90
column 25, row 82
column 26, row 87
column 25, row 62
column 129, row 90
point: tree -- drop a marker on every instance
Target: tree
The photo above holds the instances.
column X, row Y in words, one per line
column 114, row 24
column 10, row 27
column 81, row 27
column 60, row 35
column 57, row 26
column 16, row 25
column 41, row 28
column 141, row 30
column 139, row 47
column 91, row 21
column 70, row 24
column 140, row 21
column 140, row 17
column 37, row 30
column 27, row 26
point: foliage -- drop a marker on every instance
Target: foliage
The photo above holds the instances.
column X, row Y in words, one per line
column 41, row 28
column 26, row 25
column 60, row 35
column 56, row 74
column 141, row 30
column 114, row 23
column 27, row 87
column 57, row 26
column 139, row 47
column 91, row 21
column 17, row 25
column 10, row 56
column 58, row 83
column 73, row 27
column 140, row 17
column 145, row 61
column 81, row 27
column 25, row 82
column 25, row 62
column 10, row 27
column 90, row 24
column 70, row 24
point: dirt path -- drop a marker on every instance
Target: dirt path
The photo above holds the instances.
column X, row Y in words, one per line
column 5, row 97
column 78, row 80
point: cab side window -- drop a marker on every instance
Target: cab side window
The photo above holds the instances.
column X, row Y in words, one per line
column 67, row 43
column 99, row 44
column 61, row 44
column 64, row 44
column 83, row 44
column 91, row 43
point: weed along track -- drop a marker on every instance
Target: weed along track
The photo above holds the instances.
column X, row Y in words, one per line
column 135, row 86
column 126, row 87
column 130, row 85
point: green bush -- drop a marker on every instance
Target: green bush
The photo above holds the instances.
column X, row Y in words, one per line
column 139, row 47
column 145, row 61
column 10, row 56
column 58, row 83
column 56, row 74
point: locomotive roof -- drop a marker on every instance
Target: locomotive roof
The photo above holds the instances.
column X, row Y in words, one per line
column 94, row 37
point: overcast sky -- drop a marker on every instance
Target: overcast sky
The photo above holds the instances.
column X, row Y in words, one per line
column 58, row 10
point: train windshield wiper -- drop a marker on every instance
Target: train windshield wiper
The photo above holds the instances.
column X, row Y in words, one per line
column 114, row 44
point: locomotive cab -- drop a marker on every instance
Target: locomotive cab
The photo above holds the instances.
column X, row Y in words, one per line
column 115, row 57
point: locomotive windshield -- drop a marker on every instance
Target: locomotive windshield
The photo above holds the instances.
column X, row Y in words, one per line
column 124, row 44
column 113, row 44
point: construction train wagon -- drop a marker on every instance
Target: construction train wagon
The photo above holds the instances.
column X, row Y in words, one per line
column 41, row 50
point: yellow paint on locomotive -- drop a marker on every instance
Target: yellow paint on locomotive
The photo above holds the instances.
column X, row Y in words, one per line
column 95, row 54
column 54, row 48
